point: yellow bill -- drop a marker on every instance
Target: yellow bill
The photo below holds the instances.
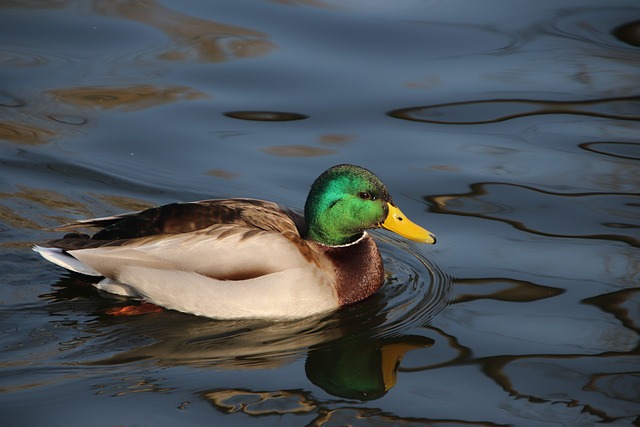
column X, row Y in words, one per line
column 400, row 224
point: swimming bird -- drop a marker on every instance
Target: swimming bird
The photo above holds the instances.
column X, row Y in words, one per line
column 244, row 258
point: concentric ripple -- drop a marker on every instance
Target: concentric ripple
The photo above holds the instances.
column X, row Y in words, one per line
column 415, row 291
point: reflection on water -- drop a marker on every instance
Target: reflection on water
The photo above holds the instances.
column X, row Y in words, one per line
column 33, row 127
column 623, row 305
column 12, row 211
column 129, row 98
column 577, row 388
column 193, row 38
column 363, row 369
column 329, row 145
column 551, row 214
column 8, row 100
column 353, row 353
column 298, row 151
column 335, row 139
column 25, row 134
column 599, row 393
column 498, row 110
column 261, row 402
column 265, row 116
column 503, row 289
column 629, row 33
column 221, row 173
column 68, row 119
column 513, row 129
column 622, row 150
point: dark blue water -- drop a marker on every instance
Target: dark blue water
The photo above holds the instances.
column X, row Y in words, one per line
column 509, row 129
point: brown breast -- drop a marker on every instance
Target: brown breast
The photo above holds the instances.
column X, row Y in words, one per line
column 358, row 269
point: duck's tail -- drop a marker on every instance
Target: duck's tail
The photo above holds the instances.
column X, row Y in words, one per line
column 63, row 259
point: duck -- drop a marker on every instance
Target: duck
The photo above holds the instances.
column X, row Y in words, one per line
column 244, row 258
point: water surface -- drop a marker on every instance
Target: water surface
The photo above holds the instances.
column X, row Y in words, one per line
column 509, row 129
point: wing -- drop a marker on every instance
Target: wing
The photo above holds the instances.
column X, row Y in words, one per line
column 179, row 218
column 225, row 252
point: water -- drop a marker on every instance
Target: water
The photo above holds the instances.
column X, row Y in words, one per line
column 509, row 129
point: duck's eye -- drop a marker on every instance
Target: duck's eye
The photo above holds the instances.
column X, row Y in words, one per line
column 367, row 196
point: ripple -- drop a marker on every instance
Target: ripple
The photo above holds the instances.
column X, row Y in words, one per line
column 260, row 403
column 69, row 119
column 596, row 25
column 8, row 100
column 622, row 150
column 499, row 110
column 416, row 290
column 597, row 216
column 192, row 38
column 621, row 386
column 22, row 59
column 265, row 116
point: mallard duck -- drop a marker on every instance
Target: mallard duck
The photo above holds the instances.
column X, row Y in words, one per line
column 245, row 258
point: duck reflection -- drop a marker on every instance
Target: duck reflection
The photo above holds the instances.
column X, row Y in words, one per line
column 346, row 354
column 363, row 369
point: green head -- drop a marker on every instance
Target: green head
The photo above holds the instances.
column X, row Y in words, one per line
column 343, row 202
column 346, row 200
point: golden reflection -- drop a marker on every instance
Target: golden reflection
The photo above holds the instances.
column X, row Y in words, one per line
column 127, row 98
column 15, row 219
column 127, row 204
column 298, row 151
column 43, row 206
column 194, row 38
column 221, row 173
column 49, row 208
column 510, row 290
column 25, row 134
column 312, row 3
column 48, row 199
column 335, row 139
column 279, row 402
column 392, row 355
